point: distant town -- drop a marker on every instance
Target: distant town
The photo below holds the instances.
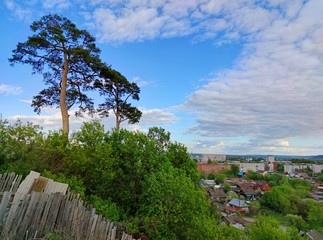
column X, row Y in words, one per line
column 237, row 184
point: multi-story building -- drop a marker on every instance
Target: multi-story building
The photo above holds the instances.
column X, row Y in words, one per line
column 292, row 167
column 213, row 157
column 244, row 167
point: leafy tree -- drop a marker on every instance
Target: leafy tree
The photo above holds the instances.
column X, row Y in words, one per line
column 297, row 221
column 266, row 228
column 252, row 175
column 320, row 178
column 234, row 169
column 118, row 91
column 301, row 184
column 280, row 167
column 224, row 232
column 314, row 213
column 282, row 199
column 173, row 208
column 226, row 187
column 161, row 137
column 275, row 179
column 231, row 195
column 18, row 143
column 254, row 207
column 218, row 177
column 66, row 57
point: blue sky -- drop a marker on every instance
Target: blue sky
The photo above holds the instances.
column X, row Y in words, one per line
column 232, row 77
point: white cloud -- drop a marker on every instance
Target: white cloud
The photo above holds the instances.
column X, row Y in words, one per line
column 138, row 20
column 139, row 82
column 157, row 117
column 10, row 90
column 50, row 119
column 275, row 91
column 128, row 24
column 56, row 4
column 19, row 11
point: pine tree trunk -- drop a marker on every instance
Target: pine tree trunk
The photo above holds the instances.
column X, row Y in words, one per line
column 63, row 106
column 118, row 122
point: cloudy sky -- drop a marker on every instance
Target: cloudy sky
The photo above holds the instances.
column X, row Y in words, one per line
column 233, row 77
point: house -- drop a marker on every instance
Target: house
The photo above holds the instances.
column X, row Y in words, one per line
column 249, row 194
column 317, row 191
column 234, row 220
column 262, row 185
column 314, row 235
column 237, row 205
column 217, row 195
column 209, row 183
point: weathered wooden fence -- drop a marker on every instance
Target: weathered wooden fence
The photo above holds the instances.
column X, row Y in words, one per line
column 37, row 205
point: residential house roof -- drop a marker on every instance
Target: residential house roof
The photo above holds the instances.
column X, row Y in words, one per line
column 217, row 193
column 233, row 219
column 237, row 203
column 248, row 192
column 314, row 235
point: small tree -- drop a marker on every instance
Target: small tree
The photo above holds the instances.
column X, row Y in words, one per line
column 118, row 91
column 234, row 170
column 280, row 167
column 226, row 187
column 66, row 57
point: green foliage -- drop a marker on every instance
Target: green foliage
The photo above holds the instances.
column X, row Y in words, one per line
column 308, row 170
column 171, row 202
column 52, row 235
column 255, row 207
column 224, row 232
column 226, row 187
column 251, row 175
column 303, row 160
column 314, row 213
column 320, row 178
column 18, row 143
column 218, row 177
column 276, row 179
column 266, row 228
column 282, row 199
column 231, row 195
column 106, row 207
column 145, row 180
column 234, row 169
column 300, row 184
column 280, row 167
column 117, row 91
column 298, row 222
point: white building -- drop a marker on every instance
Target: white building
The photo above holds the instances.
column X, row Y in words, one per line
column 213, row 157
column 292, row 167
column 244, row 167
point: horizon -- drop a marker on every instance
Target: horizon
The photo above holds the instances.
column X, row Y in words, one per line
column 220, row 76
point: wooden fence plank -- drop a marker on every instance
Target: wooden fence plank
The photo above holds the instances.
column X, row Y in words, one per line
column 4, row 207
column 16, row 220
column 16, row 183
column 43, row 221
column 3, row 181
column 30, row 216
column 39, row 184
column 28, row 182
